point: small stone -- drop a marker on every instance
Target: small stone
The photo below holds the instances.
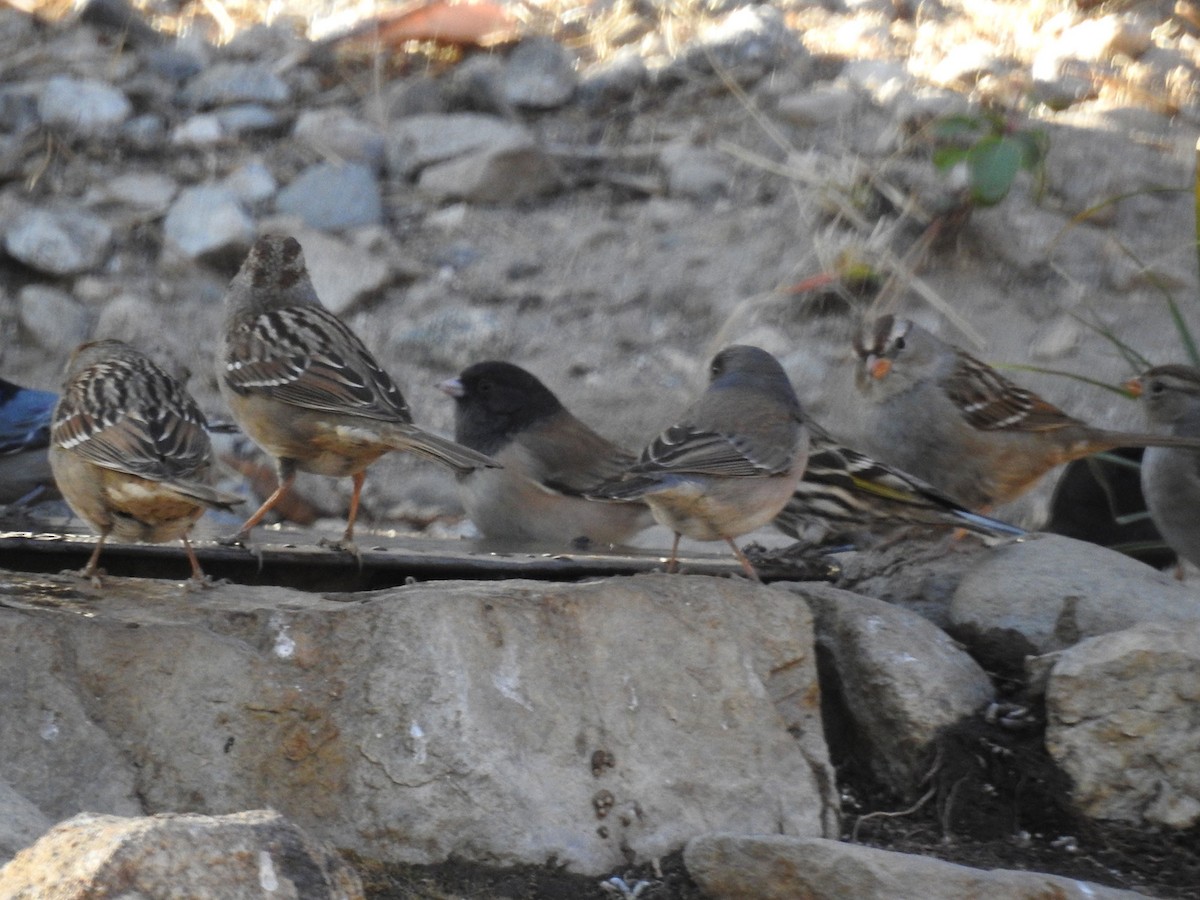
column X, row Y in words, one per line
column 540, row 74
column 966, row 63
column 83, row 107
column 252, row 182
column 146, row 132
column 52, row 318
column 337, row 133
column 202, row 130
column 59, row 242
column 342, row 274
column 146, row 192
column 208, row 222
column 228, row 83
column 420, row 141
column 248, row 118
column 820, row 106
column 617, row 78
column 694, row 172
column 333, row 196
column 451, row 338
column 497, row 175
column 747, row 43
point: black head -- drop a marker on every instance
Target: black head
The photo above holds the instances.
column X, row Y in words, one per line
column 494, row 400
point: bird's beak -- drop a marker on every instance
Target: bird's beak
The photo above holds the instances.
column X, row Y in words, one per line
column 878, row 367
column 452, row 386
column 1134, row 387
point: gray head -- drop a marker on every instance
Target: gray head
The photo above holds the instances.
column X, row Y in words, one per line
column 1170, row 395
column 894, row 354
column 740, row 366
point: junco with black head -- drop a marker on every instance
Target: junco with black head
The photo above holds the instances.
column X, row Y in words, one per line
column 549, row 457
column 732, row 461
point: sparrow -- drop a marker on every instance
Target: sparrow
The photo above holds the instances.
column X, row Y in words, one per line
column 24, row 438
column 949, row 419
column 129, row 450
column 1170, row 476
column 305, row 388
column 550, row 459
column 732, row 461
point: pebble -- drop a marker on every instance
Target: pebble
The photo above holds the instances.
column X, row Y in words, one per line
column 252, row 182
column 695, row 172
column 52, row 318
column 540, row 74
column 248, row 118
column 208, row 221
column 343, row 274
column 821, row 106
column 146, row 192
column 224, row 84
column 503, row 174
column 203, row 130
column 616, row 79
column 338, row 134
column 420, row 141
column 747, row 43
column 82, row 107
column 333, row 196
column 59, row 242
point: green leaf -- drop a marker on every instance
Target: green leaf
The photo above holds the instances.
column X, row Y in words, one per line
column 948, row 157
column 954, row 127
column 993, row 164
column 1034, row 144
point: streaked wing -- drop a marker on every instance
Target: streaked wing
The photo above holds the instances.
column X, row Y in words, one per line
column 991, row 402
column 307, row 357
column 685, row 449
column 126, row 414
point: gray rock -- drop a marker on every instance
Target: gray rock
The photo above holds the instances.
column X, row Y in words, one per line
column 148, row 193
column 337, row 133
column 419, row 141
column 52, row 318
column 774, row 867
column 248, row 118
column 145, row 132
column 616, row 78
column 747, row 43
column 1047, row 592
column 900, row 680
column 202, row 130
column 333, row 196
column 252, row 182
column 342, row 273
column 83, row 107
column 208, row 221
column 59, row 242
column 21, row 823
column 244, row 856
column 498, row 174
column 1121, row 721
column 822, row 105
column 539, row 74
column 226, row 83
column 662, row 706
column 450, row 338
column 695, row 172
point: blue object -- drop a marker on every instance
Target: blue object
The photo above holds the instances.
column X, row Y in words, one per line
column 24, row 436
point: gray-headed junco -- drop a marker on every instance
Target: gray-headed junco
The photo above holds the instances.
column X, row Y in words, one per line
column 129, row 450
column 733, row 460
column 24, row 438
column 1171, row 477
column 306, row 389
column 951, row 420
column 550, row 459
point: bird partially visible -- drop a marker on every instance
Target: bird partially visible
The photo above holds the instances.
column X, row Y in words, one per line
column 129, row 450
column 951, row 420
column 550, row 459
column 1171, row 477
column 848, row 490
column 305, row 388
column 24, row 438
column 733, row 460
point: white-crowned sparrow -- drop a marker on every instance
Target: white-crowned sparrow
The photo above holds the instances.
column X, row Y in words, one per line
column 306, row 389
column 129, row 450
column 733, row 460
column 1170, row 476
column 550, row 459
column 949, row 419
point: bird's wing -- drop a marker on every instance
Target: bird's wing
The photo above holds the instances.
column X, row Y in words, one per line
column 567, row 456
column 991, row 402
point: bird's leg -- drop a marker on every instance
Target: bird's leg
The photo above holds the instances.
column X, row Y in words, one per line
column 287, row 477
column 92, row 570
column 750, row 573
column 347, row 541
column 673, row 562
column 198, row 579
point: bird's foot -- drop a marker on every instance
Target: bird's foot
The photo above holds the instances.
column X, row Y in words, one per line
column 343, row 545
column 95, row 576
column 237, row 539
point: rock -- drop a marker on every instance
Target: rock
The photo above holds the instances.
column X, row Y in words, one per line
column 244, row 856
column 822, row 105
column 498, row 174
column 514, row 721
column 145, row 132
column 202, row 130
column 227, row 83
column 248, row 118
column 147, row 193
column 450, row 338
column 615, row 79
column 333, row 196
column 59, row 242
column 21, row 823
column 252, row 182
column 747, row 43
column 52, row 318
column 539, row 74
column 82, row 107
column 774, row 867
column 1121, row 721
column 966, row 63
column 337, row 133
column 694, row 172
column 208, row 222
column 342, row 273
column 894, row 679
column 418, row 141
column 1047, row 592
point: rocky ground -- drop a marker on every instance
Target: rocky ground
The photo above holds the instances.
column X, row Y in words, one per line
column 606, row 202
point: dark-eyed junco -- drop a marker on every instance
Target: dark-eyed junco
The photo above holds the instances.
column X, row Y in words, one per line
column 956, row 422
column 844, row 491
column 129, row 450
column 24, row 436
column 1170, row 476
column 306, row 389
column 733, row 460
column 549, row 458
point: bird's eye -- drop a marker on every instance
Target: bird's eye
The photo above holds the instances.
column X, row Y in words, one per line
column 899, row 343
column 1157, row 387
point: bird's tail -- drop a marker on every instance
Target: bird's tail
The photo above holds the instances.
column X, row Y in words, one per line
column 1111, row 440
column 441, row 450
